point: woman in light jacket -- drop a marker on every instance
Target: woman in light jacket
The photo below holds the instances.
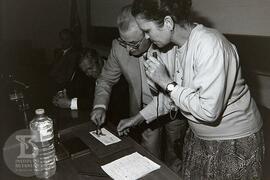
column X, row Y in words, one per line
column 225, row 139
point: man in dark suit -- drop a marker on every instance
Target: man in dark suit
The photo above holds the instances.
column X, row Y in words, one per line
column 79, row 90
column 65, row 60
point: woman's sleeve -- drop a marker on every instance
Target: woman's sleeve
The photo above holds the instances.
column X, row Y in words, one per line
column 161, row 103
column 205, row 101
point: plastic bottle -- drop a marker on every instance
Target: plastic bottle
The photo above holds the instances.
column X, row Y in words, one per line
column 43, row 149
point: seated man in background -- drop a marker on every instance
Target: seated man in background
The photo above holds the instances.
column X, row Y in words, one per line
column 65, row 60
column 79, row 91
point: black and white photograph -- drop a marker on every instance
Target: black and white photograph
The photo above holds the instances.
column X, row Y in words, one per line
column 134, row 89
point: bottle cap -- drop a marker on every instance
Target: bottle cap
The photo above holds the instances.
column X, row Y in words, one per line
column 39, row 111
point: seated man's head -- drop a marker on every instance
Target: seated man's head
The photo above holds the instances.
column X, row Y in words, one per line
column 131, row 36
column 91, row 63
column 66, row 38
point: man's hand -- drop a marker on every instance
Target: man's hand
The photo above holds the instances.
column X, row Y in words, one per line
column 98, row 115
column 125, row 124
column 61, row 94
column 62, row 102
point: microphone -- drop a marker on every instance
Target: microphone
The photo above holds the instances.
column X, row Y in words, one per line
column 154, row 54
column 21, row 83
column 11, row 79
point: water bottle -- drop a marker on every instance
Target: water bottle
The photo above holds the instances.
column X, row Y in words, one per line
column 43, row 145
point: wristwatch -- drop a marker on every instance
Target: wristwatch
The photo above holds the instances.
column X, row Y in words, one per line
column 170, row 87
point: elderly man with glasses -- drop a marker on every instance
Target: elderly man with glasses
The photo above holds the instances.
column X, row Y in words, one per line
column 126, row 57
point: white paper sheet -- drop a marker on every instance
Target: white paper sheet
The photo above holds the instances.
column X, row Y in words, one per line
column 130, row 167
column 106, row 138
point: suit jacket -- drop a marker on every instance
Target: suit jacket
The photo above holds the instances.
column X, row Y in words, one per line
column 120, row 63
column 81, row 87
column 63, row 67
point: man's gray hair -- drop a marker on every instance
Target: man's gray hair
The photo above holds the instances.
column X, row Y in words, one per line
column 92, row 56
column 125, row 19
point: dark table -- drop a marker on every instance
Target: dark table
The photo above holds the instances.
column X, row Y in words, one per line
column 86, row 165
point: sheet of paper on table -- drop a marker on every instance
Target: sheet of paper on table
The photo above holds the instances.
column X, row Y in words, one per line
column 130, row 167
column 106, row 138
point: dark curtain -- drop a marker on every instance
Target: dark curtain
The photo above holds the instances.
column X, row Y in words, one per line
column 75, row 23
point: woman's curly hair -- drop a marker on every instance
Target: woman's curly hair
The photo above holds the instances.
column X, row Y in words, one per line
column 157, row 10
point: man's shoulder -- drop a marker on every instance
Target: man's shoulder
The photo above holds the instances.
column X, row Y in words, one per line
column 117, row 46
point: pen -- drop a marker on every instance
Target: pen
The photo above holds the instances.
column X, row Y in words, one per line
column 93, row 175
column 98, row 130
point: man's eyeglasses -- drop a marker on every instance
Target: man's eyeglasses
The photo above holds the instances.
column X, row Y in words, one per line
column 132, row 45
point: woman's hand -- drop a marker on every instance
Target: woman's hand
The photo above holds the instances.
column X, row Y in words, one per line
column 125, row 124
column 157, row 72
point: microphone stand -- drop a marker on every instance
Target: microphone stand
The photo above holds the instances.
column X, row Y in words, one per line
column 18, row 98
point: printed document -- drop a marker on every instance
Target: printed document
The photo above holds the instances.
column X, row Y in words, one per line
column 130, row 167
